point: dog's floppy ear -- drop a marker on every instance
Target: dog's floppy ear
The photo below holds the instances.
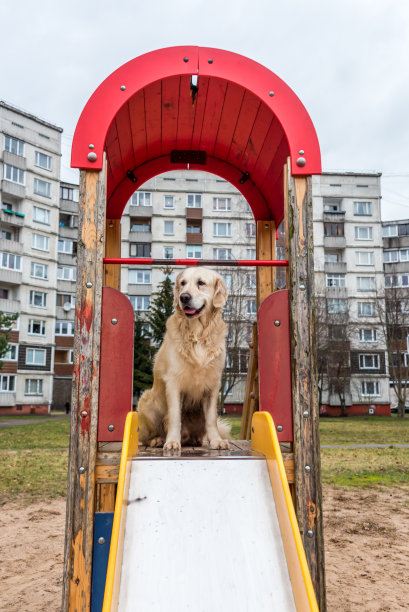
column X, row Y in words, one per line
column 220, row 294
column 176, row 291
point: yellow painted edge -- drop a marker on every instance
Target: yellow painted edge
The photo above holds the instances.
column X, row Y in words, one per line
column 264, row 440
column 129, row 448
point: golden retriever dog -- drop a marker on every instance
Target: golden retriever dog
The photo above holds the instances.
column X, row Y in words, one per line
column 181, row 407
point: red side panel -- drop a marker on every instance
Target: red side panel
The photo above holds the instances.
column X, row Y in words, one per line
column 274, row 362
column 116, row 365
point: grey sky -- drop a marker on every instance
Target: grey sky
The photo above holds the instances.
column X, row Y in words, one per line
column 347, row 61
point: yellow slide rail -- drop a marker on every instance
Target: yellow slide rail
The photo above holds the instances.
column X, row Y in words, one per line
column 129, row 449
column 264, row 440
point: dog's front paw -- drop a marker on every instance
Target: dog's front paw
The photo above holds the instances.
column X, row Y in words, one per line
column 156, row 442
column 219, row 444
column 172, row 448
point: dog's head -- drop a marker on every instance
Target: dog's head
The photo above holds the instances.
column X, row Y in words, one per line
column 199, row 291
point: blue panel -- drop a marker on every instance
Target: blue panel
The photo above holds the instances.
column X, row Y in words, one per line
column 102, row 540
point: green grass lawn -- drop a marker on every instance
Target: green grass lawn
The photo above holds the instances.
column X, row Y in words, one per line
column 34, row 458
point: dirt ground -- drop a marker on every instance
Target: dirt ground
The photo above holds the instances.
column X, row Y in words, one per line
column 367, row 552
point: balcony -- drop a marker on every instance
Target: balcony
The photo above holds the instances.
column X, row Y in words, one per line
column 13, row 190
column 336, row 292
column 194, row 213
column 336, row 267
column 335, row 242
column 10, row 277
column 65, row 286
column 65, row 259
column 194, row 238
column 68, row 232
column 140, row 211
column 68, row 206
column 140, row 237
column 10, row 305
column 11, row 218
column 11, row 246
column 7, row 399
column 18, row 161
column 334, row 215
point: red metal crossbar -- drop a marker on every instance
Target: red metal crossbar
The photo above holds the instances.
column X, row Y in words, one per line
column 149, row 261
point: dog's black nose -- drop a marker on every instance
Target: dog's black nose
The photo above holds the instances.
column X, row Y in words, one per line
column 185, row 298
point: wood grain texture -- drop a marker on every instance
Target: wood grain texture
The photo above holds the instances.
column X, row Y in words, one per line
column 304, row 380
column 112, row 272
column 248, row 401
column 84, row 403
column 265, row 249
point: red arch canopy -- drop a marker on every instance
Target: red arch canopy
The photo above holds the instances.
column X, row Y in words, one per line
column 202, row 108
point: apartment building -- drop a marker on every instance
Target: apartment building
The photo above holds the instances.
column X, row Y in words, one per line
column 30, row 150
column 348, row 259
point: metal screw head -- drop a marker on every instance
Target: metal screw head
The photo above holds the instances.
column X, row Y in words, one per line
column 310, row 533
column 84, row 413
column 101, row 540
column 88, row 285
column 81, row 470
column 305, row 414
column 92, row 157
column 279, row 428
column 277, row 323
column 111, row 427
column 114, row 321
column 252, row 429
column 301, row 152
column 210, row 61
column 91, row 146
column 122, row 88
column 301, row 161
column 307, row 468
column 271, row 94
column 302, row 287
column 186, row 59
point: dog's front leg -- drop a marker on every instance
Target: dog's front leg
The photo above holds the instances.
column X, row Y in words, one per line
column 212, row 432
column 172, row 444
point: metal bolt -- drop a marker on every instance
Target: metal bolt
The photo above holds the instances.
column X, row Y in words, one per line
column 101, row 540
column 279, row 428
column 302, row 287
column 122, row 88
column 186, row 59
column 252, row 395
column 277, row 323
column 111, row 427
column 301, row 161
column 114, row 321
column 305, row 414
column 137, row 429
column 84, row 413
column 210, row 61
column 91, row 146
column 88, row 285
column 307, row 468
column 271, row 94
column 301, row 152
column 310, row 533
column 81, row 470
column 92, row 157
column 252, row 429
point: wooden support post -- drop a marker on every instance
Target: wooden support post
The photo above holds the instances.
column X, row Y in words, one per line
column 265, row 249
column 84, row 411
column 250, row 401
column 304, row 379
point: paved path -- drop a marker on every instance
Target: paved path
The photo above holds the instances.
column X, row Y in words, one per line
column 18, row 422
column 364, row 445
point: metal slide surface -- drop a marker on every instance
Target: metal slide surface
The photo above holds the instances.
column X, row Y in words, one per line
column 203, row 535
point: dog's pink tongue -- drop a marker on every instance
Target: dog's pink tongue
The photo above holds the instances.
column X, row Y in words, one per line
column 190, row 310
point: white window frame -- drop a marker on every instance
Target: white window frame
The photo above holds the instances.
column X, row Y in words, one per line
column 193, row 251
column 222, row 204
column 9, row 141
column 12, row 352
column 143, row 300
column 364, row 258
column 251, row 254
column 227, row 279
column 389, row 231
column 35, row 265
column 59, row 328
column 31, row 324
column 364, row 388
column 391, row 256
column 33, row 386
column 42, row 188
column 64, row 243
column 373, row 334
column 194, row 200
column 139, row 277
column 361, row 309
column 43, row 299
column 36, row 239
column 359, row 232
column 141, row 198
column 336, row 306
column 219, row 228
column 251, row 281
column 330, row 257
column 5, row 380
column 168, row 252
column 373, row 360
column 403, row 254
column 10, row 261
column 251, row 307
column 168, row 228
column 168, row 202
column 70, row 300
column 220, row 250
column 66, row 273
column 250, row 230
column 14, row 175
column 335, row 279
column 38, row 212
column 366, row 206
column 36, row 353
column 361, row 281
column 39, row 157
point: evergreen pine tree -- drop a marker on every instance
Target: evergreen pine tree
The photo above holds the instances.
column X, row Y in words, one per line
column 142, row 374
column 160, row 309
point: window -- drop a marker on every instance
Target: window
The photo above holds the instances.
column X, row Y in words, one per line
column 140, row 225
column 64, row 328
column 193, row 229
column 403, row 229
column 228, row 307
column 69, row 193
column 65, row 246
column 363, row 208
column 336, row 280
column 364, row 258
column 333, row 230
column 251, row 307
column 41, row 215
column 7, row 383
column 12, row 353
column 394, row 280
column 168, row 252
column 168, row 228
column 222, row 254
column 222, row 230
column 40, row 242
column 369, row 361
column 332, row 257
column 332, row 205
column 370, row 388
column 66, row 273
column 39, row 270
column 35, row 356
column 36, row 327
column 10, row 261
column 227, row 279
column 223, row 204
column 404, row 254
column 139, row 302
column 251, row 281
column 363, row 232
column 250, row 230
column 390, row 256
column 141, row 198
column 194, row 251
column 42, row 188
column 336, row 306
column 194, row 200
column 389, row 230
column 13, row 145
column 251, row 253
column 139, row 277
column 38, row 299
column 33, row 386
column 365, row 283
column 42, row 160
column 140, row 249
column 367, row 335
column 169, row 201
column 366, row 309
column 13, row 174
column 66, row 298
column 4, row 294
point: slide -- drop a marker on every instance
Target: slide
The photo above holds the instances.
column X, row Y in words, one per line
column 204, row 532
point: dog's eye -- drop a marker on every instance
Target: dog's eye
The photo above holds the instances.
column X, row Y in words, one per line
column 201, row 283
column 183, row 283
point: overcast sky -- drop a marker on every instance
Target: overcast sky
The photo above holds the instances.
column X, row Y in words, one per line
column 348, row 62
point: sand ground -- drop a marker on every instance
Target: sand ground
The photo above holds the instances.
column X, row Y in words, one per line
column 366, row 543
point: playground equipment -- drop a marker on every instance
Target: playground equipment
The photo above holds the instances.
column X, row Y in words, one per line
column 212, row 110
